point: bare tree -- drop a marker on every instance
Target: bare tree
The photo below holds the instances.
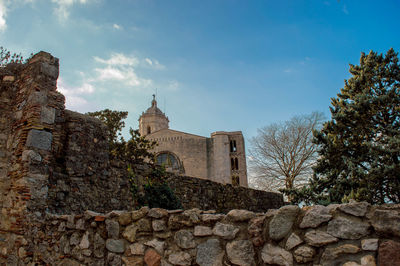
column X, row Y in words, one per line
column 282, row 154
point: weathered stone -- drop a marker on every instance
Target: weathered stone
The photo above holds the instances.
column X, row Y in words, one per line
column 386, row 222
column 137, row 249
column 293, row 241
column 275, row 255
column 282, row 222
column 30, row 155
column 347, row 229
column 47, row 115
column 255, row 229
column 315, row 216
column 200, row 230
column 80, row 224
column 87, row 252
column 39, row 139
column 333, row 253
column 125, row 218
column 193, row 214
column 318, row 238
column 369, row 244
column 114, row 259
column 139, row 214
column 69, row 262
column 157, row 213
column 180, row 258
column 133, row 261
column 178, row 220
column 163, row 235
column 112, row 228
column 143, row 225
column 99, row 245
column 75, row 239
column 355, row 208
column 240, row 215
column 159, row 225
column 159, row 246
column 152, row 258
column 304, row 254
column 130, row 233
column 209, row 218
column 115, row 245
column 226, row 231
column 184, row 239
column 85, row 241
column 389, row 253
column 368, row 260
column 240, row 252
column 209, row 253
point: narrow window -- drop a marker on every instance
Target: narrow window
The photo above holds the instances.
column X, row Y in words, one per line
column 235, row 180
column 148, row 130
column 234, row 146
column 236, row 164
column 231, row 146
column 232, row 164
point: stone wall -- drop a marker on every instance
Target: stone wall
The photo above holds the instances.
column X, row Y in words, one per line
column 348, row 234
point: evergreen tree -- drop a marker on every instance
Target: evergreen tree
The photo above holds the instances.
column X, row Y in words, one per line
column 360, row 145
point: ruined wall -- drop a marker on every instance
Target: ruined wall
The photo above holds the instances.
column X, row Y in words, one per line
column 348, row 234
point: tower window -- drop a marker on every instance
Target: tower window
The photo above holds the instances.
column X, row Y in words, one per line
column 233, row 146
column 235, row 180
column 148, row 130
column 234, row 164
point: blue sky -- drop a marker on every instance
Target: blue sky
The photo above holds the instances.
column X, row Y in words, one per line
column 215, row 65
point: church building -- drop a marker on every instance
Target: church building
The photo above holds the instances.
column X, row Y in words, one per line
column 220, row 158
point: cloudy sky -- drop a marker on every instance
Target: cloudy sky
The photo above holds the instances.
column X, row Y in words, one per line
column 214, row 64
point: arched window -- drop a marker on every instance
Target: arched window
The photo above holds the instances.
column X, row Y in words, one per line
column 148, row 130
column 232, row 145
column 168, row 160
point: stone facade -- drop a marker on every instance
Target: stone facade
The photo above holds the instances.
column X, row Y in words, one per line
column 312, row 236
column 220, row 158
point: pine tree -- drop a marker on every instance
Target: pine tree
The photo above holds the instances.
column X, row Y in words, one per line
column 360, row 145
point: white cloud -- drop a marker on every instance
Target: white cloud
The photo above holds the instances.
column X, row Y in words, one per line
column 173, row 85
column 345, row 10
column 63, row 6
column 125, row 75
column 153, row 64
column 74, row 96
column 118, row 59
column 3, row 14
column 117, row 27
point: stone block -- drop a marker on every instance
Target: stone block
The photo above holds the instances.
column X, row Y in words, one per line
column 8, row 78
column 47, row 115
column 39, row 139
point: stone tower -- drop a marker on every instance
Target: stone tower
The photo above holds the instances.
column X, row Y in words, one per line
column 152, row 120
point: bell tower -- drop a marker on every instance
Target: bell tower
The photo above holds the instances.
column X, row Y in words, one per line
column 152, row 120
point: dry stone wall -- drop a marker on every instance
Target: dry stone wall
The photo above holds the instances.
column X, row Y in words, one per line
column 348, row 234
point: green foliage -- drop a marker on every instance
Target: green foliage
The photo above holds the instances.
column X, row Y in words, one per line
column 155, row 192
column 6, row 57
column 360, row 145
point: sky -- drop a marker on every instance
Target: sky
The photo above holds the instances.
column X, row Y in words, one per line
column 215, row 65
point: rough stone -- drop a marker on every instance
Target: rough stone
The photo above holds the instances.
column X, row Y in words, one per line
column 178, row 220
column 200, row 230
column 319, row 238
column 282, row 222
column 315, row 216
column 39, row 139
column 240, row 215
column 139, row 214
column 157, row 213
column 389, row 253
column 209, row 253
column 304, row 254
column 133, row 261
column 143, row 225
column 115, row 245
column 159, row 225
column 209, row 218
column 184, row 239
column 332, row 253
column 180, row 258
column 355, row 208
column 226, row 231
column 159, row 246
column 275, row 255
column 152, row 258
column 137, row 249
column 369, row 244
column 112, row 227
column 386, row 222
column 99, row 245
column 47, row 115
column 368, row 260
column 125, row 218
column 293, row 241
column 114, row 259
column 130, row 233
column 75, row 239
column 240, row 252
column 85, row 241
column 255, row 229
column 347, row 229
